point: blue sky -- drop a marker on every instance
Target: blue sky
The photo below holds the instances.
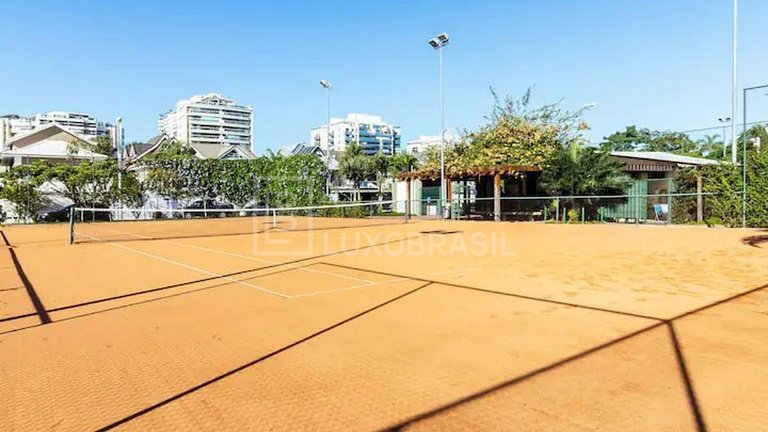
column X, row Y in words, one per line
column 656, row 63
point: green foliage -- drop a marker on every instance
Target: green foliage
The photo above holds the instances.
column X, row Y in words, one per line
column 101, row 145
column 380, row 165
column 584, row 171
column 644, row 139
column 404, row 162
column 725, row 181
column 20, row 187
column 515, row 134
column 87, row 184
column 356, row 166
column 280, row 181
column 573, row 216
column 629, row 139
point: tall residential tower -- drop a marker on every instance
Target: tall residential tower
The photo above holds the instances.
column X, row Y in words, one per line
column 209, row 119
column 373, row 134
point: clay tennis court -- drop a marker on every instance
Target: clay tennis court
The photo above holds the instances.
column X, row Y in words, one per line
column 381, row 325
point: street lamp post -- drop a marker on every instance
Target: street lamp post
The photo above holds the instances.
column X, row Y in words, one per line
column 438, row 43
column 328, row 87
column 724, row 121
column 744, row 154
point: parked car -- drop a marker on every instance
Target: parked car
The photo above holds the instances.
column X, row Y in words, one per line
column 60, row 213
column 55, row 214
column 253, row 209
column 212, row 209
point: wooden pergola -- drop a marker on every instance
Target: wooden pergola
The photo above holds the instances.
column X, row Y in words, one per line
column 454, row 174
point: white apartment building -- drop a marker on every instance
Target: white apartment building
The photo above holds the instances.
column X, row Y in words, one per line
column 209, row 119
column 81, row 124
column 373, row 134
column 421, row 144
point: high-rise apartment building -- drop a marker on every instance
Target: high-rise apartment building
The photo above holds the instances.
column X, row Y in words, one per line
column 423, row 142
column 373, row 134
column 81, row 124
column 209, row 119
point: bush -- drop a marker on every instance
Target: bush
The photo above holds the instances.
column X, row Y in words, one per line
column 725, row 181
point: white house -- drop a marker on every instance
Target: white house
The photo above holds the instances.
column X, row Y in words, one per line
column 50, row 143
column 135, row 152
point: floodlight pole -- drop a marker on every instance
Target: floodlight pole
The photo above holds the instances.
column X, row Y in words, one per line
column 443, row 182
column 735, row 83
column 328, row 87
column 438, row 43
column 744, row 154
column 328, row 138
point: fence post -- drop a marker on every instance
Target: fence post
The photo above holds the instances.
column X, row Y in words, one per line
column 72, row 225
column 582, row 215
column 407, row 199
column 557, row 210
column 274, row 218
column 497, row 197
column 545, row 214
column 670, row 190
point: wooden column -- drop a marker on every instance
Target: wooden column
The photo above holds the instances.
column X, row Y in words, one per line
column 497, row 197
column 699, row 197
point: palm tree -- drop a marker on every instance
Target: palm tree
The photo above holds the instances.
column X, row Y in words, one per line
column 404, row 162
column 381, row 164
column 356, row 166
column 710, row 146
column 578, row 170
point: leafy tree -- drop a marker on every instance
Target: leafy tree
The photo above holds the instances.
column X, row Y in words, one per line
column 631, row 138
column 100, row 145
column 515, row 134
column 19, row 186
column 87, row 184
column 166, row 170
column 724, row 181
column 297, row 180
column 673, row 142
column 644, row 139
column 578, row 171
column 356, row 166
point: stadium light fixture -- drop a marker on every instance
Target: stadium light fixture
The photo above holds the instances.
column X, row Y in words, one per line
column 724, row 121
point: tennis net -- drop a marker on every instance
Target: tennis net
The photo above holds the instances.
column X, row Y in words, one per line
column 137, row 224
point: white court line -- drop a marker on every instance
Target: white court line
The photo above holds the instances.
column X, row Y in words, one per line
column 252, row 258
column 386, row 282
column 189, row 267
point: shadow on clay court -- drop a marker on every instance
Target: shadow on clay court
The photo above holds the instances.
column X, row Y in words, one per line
column 43, row 312
column 682, row 366
column 256, row 361
column 755, row 240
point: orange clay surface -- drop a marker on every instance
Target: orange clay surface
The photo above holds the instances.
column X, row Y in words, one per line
column 378, row 325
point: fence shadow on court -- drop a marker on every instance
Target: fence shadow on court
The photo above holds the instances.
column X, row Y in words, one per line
column 755, row 241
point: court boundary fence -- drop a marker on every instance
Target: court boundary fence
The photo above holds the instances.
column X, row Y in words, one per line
column 634, row 209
